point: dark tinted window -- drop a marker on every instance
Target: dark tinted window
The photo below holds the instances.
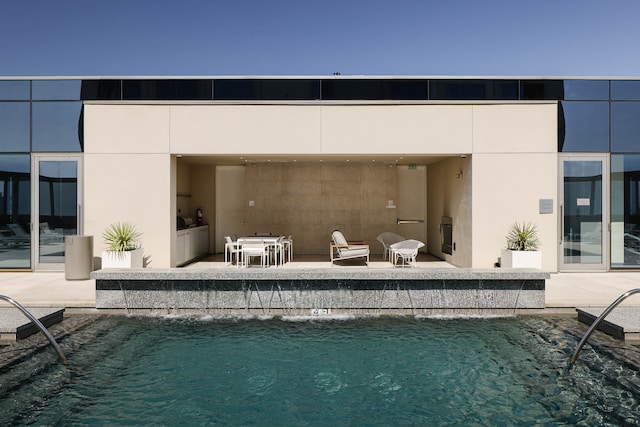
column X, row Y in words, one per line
column 63, row 90
column 586, row 90
column 583, row 126
column 542, row 89
column 14, row 90
column 473, row 89
column 625, row 127
column 625, row 90
column 57, row 126
column 101, row 89
column 15, row 210
column 337, row 89
column 166, row 89
column 14, row 126
column 274, row 89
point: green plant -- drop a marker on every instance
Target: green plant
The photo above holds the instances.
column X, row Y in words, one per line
column 523, row 237
column 121, row 237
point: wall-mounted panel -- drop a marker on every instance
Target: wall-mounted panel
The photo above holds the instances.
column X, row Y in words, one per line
column 515, row 128
column 126, row 128
column 257, row 129
column 417, row 129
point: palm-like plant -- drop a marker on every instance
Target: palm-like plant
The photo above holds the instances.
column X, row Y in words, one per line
column 523, row 237
column 121, row 237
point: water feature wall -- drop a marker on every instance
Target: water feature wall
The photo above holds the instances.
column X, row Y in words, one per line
column 331, row 291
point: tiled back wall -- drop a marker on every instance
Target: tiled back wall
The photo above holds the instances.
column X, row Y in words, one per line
column 309, row 201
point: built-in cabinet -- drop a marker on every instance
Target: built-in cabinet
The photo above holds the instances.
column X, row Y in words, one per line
column 192, row 243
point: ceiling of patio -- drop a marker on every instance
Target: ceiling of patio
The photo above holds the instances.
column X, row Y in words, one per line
column 400, row 159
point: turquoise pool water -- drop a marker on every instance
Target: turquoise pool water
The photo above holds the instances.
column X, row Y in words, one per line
column 273, row 372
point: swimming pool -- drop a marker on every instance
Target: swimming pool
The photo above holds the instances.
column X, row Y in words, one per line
column 368, row 371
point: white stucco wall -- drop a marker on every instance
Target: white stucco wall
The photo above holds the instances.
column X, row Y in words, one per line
column 130, row 165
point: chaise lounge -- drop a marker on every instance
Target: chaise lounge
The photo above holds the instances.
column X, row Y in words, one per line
column 343, row 250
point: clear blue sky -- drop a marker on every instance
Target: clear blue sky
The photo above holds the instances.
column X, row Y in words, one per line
column 300, row 37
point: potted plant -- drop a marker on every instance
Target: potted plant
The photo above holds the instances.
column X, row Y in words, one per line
column 123, row 246
column 522, row 247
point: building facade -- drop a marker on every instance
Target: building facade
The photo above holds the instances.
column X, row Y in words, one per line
column 305, row 155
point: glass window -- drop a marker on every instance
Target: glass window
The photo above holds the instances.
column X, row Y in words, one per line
column 57, row 126
column 586, row 90
column 622, row 90
column 63, row 90
column 101, row 89
column 15, row 211
column 14, row 126
column 473, row 89
column 167, row 89
column 267, row 89
column 625, row 127
column 344, row 89
column 625, row 210
column 15, row 90
column 583, row 126
column 542, row 89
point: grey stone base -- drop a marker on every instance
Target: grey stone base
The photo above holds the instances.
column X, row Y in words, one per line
column 322, row 292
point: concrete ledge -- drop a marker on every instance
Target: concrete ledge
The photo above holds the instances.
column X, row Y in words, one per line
column 14, row 325
column 622, row 323
column 324, row 291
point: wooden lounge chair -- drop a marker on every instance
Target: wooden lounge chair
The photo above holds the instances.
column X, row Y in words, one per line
column 342, row 250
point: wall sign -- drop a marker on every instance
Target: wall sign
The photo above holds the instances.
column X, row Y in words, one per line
column 545, row 206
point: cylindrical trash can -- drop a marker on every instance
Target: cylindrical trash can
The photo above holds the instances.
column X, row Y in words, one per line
column 78, row 257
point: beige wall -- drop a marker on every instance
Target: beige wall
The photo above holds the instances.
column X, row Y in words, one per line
column 131, row 171
column 309, row 201
column 514, row 166
column 449, row 194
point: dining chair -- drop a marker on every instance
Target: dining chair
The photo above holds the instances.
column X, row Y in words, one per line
column 288, row 247
column 231, row 248
column 255, row 248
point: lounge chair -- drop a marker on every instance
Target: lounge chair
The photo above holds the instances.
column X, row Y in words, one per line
column 387, row 239
column 342, row 250
column 407, row 251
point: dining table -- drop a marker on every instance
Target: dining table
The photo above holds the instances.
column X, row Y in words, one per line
column 271, row 241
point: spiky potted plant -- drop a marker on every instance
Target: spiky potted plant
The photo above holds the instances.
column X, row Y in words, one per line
column 123, row 246
column 523, row 246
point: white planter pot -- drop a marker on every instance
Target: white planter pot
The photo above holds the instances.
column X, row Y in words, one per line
column 126, row 259
column 521, row 259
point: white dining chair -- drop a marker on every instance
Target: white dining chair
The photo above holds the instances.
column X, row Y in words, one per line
column 231, row 248
column 254, row 248
column 288, row 247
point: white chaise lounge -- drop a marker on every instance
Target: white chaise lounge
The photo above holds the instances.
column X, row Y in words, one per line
column 342, row 250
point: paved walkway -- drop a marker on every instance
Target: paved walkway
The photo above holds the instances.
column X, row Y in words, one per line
column 564, row 290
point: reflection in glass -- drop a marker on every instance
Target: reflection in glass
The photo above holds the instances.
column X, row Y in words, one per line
column 625, row 127
column 625, row 210
column 583, row 126
column 15, row 211
column 58, row 201
column 586, row 90
column 337, row 89
column 542, row 89
column 582, row 217
column 57, row 126
column 56, row 90
column 623, row 90
column 473, row 89
column 14, row 126
column 275, row 89
column 14, row 90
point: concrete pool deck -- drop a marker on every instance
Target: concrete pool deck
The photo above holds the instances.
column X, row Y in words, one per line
column 563, row 290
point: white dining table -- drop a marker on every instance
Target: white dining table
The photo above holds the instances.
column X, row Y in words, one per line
column 271, row 241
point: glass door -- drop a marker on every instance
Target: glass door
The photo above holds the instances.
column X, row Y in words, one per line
column 583, row 213
column 57, row 207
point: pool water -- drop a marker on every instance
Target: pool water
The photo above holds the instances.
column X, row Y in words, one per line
column 268, row 372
